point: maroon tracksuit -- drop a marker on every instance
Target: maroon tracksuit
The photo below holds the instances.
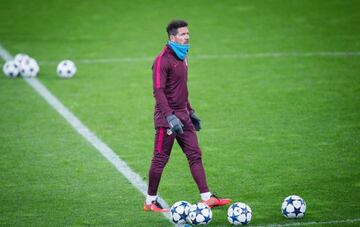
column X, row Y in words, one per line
column 171, row 97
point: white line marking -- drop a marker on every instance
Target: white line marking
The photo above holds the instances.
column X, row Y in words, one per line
column 103, row 148
column 4, row 54
column 312, row 223
column 220, row 56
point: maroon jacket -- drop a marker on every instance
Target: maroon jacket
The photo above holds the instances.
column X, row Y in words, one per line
column 170, row 90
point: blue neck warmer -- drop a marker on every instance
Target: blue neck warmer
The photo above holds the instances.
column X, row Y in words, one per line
column 179, row 49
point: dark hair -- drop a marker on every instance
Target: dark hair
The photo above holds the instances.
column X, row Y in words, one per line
column 174, row 25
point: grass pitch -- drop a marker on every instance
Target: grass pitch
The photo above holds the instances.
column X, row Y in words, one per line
column 275, row 123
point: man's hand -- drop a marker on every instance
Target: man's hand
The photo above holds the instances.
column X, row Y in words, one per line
column 175, row 124
column 195, row 120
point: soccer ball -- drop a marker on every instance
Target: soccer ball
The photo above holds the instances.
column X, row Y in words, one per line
column 21, row 57
column 11, row 69
column 66, row 69
column 199, row 214
column 293, row 207
column 29, row 67
column 239, row 214
column 179, row 212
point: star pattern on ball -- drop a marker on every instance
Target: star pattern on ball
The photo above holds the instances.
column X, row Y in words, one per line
column 297, row 211
column 245, row 222
column 245, row 211
column 198, row 211
column 207, row 219
column 194, row 222
column 289, row 200
column 284, row 211
column 233, row 218
column 183, row 215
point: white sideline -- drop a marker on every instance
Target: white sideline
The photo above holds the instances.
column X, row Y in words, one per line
column 103, row 148
column 221, row 56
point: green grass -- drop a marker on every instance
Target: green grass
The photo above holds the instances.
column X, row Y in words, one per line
column 272, row 126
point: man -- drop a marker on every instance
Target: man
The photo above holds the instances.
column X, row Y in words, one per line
column 174, row 118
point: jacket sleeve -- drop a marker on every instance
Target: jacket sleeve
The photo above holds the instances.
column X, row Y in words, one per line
column 190, row 109
column 160, row 73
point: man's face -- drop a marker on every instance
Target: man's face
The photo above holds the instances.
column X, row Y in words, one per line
column 182, row 36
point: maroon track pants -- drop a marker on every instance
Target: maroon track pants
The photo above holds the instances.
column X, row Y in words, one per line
column 189, row 144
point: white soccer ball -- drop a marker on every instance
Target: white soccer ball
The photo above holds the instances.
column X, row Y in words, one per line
column 239, row 214
column 179, row 212
column 199, row 214
column 293, row 206
column 29, row 67
column 66, row 69
column 21, row 57
column 11, row 69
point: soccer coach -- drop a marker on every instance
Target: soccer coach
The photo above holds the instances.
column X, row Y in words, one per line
column 174, row 117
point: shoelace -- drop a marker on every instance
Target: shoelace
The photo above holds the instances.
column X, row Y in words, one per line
column 215, row 196
column 156, row 203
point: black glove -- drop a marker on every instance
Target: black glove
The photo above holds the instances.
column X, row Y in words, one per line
column 195, row 120
column 175, row 124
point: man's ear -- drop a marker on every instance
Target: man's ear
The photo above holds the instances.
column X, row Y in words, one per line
column 172, row 38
